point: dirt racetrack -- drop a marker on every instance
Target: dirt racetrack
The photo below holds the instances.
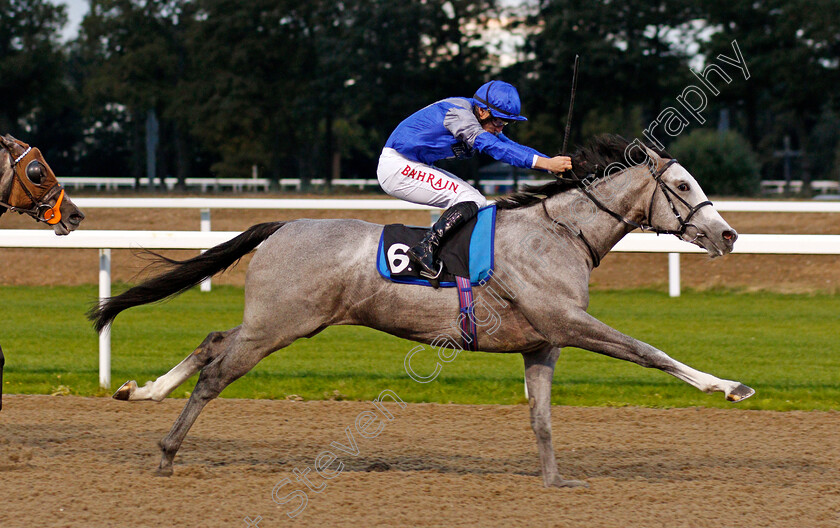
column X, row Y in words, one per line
column 88, row 462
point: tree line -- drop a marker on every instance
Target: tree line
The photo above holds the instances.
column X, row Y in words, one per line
column 313, row 89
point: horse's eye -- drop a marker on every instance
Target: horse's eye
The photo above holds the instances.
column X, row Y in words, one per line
column 683, row 187
column 35, row 172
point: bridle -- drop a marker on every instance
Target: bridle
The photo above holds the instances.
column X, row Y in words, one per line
column 41, row 209
column 645, row 225
column 668, row 192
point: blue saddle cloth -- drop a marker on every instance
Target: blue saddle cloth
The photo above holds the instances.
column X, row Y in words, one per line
column 466, row 253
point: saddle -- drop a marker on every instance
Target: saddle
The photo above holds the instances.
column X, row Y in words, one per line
column 467, row 253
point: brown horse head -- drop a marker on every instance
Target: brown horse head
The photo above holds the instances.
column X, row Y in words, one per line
column 29, row 186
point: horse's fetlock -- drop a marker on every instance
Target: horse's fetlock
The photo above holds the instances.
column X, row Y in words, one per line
column 167, row 447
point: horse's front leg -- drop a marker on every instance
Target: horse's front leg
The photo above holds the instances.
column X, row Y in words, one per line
column 539, row 371
column 584, row 331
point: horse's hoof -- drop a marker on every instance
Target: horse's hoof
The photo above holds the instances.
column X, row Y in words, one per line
column 560, row 483
column 163, row 471
column 125, row 390
column 741, row 392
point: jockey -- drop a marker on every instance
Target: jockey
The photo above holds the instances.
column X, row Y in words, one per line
column 454, row 128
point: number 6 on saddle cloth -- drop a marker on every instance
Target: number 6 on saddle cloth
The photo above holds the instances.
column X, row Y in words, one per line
column 466, row 253
column 467, row 257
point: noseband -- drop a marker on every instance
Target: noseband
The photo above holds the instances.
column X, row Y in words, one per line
column 41, row 210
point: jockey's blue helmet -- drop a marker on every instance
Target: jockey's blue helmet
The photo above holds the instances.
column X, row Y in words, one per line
column 501, row 99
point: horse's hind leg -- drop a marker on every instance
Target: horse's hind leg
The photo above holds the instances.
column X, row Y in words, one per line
column 162, row 387
column 208, row 387
column 238, row 356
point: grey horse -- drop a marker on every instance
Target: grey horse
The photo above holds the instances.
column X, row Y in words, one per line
column 548, row 240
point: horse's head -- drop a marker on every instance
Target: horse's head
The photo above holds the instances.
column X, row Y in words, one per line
column 679, row 205
column 29, row 186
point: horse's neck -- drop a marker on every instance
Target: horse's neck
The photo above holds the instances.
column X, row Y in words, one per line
column 626, row 195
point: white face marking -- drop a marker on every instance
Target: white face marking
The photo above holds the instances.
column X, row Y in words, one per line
column 707, row 222
column 677, row 175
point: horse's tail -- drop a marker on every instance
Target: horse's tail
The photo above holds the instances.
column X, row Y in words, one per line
column 181, row 275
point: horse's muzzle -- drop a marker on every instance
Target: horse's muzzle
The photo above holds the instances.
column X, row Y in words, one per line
column 728, row 238
column 71, row 217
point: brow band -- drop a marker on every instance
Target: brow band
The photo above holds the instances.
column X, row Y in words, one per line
column 25, row 152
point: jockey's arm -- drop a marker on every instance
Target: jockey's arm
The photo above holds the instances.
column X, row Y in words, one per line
column 463, row 125
column 504, row 149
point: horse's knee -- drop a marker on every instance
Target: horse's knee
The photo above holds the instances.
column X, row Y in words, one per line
column 541, row 425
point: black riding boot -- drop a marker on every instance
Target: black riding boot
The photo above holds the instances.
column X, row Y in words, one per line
column 425, row 252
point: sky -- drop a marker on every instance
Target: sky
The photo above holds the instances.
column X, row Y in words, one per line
column 76, row 10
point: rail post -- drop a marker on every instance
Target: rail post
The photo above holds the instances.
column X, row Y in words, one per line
column 105, row 334
column 205, row 226
column 674, row 274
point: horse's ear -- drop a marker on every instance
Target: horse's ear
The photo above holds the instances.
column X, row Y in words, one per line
column 654, row 155
column 8, row 142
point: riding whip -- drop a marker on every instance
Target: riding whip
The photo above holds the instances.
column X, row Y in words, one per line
column 571, row 104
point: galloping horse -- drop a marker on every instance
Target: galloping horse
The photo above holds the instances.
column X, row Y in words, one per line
column 28, row 186
column 311, row 274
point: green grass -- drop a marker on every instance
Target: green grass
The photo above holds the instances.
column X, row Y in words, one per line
column 784, row 346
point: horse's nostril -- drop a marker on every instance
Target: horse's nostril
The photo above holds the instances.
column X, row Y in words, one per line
column 729, row 235
column 76, row 218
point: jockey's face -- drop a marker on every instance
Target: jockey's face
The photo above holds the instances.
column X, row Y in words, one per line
column 490, row 123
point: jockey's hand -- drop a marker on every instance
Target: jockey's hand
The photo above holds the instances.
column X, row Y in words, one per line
column 557, row 164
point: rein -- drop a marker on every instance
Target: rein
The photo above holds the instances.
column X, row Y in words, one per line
column 596, row 259
column 667, row 191
column 41, row 210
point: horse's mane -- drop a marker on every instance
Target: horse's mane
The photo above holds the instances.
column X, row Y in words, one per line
column 592, row 158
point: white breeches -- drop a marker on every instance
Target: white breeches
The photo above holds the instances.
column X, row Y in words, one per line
column 419, row 183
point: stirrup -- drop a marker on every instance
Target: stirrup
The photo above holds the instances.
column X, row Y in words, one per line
column 427, row 275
